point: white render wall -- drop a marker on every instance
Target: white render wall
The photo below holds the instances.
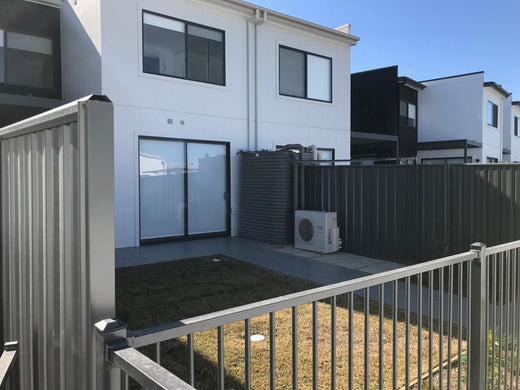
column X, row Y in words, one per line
column 143, row 103
column 451, row 109
column 515, row 140
column 492, row 137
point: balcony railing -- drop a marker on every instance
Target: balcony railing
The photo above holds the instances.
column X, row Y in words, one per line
column 454, row 323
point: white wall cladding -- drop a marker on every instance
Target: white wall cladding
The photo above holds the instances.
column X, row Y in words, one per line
column 57, row 241
column 451, row 109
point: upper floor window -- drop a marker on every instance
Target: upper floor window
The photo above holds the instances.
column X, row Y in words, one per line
column 517, row 125
column 176, row 48
column 305, row 75
column 492, row 114
column 27, row 60
column 408, row 114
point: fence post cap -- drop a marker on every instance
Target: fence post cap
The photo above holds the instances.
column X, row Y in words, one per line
column 11, row 346
column 109, row 325
column 477, row 246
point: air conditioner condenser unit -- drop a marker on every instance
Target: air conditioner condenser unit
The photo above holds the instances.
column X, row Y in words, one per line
column 316, row 231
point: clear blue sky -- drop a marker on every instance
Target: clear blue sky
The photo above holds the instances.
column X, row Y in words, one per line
column 427, row 39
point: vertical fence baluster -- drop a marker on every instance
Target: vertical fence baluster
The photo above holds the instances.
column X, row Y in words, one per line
column 450, row 323
column 441, row 319
column 419, row 330
column 517, row 317
column 366, row 339
column 295, row 348
column 513, row 315
column 460, row 269
column 124, row 380
column 333, row 343
column 494, row 313
column 247, row 352
column 272, row 351
column 507, row 307
column 191, row 361
column 394, row 337
column 158, row 352
column 469, row 310
column 220, row 353
column 381, row 335
column 350, row 340
column 407, row 335
column 430, row 329
column 315, row 345
column 501, row 317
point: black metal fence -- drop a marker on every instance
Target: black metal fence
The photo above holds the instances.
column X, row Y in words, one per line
column 417, row 213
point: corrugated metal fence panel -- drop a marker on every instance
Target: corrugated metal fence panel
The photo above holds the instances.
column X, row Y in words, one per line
column 417, row 213
column 46, row 266
column 266, row 196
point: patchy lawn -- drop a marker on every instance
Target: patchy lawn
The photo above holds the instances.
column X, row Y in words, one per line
column 155, row 294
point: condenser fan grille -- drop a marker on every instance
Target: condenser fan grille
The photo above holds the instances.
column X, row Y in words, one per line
column 305, row 230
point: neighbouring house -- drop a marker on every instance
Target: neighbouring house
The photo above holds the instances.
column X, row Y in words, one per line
column 384, row 117
column 514, row 138
column 194, row 83
column 30, row 60
column 463, row 119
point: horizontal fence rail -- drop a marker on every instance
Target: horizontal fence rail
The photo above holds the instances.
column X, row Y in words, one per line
column 415, row 320
column 8, row 366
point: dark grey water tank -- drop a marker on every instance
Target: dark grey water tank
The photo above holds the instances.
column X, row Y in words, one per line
column 266, row 196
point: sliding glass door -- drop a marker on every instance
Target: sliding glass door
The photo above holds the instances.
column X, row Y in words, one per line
column 184, row 188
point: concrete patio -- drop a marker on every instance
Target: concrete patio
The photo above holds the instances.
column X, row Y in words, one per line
column 320, row 268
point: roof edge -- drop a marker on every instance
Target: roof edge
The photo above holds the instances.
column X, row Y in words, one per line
column 412, row 83
column 244, row 6
column 452, row 77
column 497, row 87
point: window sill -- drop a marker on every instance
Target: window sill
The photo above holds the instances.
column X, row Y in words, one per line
column 304, row 100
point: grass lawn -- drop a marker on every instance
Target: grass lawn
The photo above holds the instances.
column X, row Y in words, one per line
column 155, row 294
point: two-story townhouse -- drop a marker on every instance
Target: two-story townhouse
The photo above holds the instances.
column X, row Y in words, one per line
column 30, row 59
column 462, row 120
column 515, row 132
column 193, row 84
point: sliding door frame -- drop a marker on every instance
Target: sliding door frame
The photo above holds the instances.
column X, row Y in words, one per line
column 187, row 236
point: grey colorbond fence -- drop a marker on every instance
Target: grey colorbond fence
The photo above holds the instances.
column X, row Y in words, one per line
column 57, row 260
column 417, row 213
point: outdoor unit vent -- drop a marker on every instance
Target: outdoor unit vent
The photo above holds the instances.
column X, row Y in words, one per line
column 316, row 231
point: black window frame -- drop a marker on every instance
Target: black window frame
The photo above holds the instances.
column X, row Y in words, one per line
column 405, row 120
column 493, row 121
column 186, row 236
column 516, row 125
column 186, row 65
column 306, row 53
